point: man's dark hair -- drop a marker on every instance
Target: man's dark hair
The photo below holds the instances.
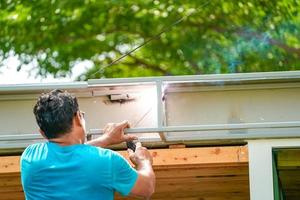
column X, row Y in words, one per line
column 54, row 112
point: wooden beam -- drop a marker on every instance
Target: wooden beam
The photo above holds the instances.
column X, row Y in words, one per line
column 198, row 156
column 210, row 173
column 204, row 156
column 9, row 164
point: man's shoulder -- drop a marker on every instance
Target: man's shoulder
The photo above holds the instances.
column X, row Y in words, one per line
column 34, row 147
column 99, row 151
column 32, row 157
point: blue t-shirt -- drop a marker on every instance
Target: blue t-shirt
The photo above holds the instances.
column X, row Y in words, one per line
column 51, row 171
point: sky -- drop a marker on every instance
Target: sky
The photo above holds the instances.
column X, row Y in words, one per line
column 10, row 75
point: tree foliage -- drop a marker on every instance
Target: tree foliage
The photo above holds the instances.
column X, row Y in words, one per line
column 222, row 36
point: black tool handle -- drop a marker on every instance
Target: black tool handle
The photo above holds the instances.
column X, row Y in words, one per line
column 131, row 145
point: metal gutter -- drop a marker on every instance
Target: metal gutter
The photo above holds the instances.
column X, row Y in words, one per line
column 209, row 79
column 220, row 132
column 262, row 76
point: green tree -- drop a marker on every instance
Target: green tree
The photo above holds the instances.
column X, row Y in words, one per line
column 222, row 36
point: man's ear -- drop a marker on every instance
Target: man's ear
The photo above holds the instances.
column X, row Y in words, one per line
column 77, row 119
column 43, row 134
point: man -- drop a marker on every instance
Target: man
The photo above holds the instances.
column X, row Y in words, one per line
column 66, row 168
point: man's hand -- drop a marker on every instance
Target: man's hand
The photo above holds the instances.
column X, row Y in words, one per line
column 142, row 159
column 113, row 134
column 141, row 156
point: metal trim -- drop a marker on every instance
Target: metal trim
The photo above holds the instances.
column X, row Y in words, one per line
column 174, row 129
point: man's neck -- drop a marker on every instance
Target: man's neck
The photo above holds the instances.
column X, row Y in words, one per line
column 67, row 140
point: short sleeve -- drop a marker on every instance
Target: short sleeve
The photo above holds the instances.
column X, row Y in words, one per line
column 123, row 175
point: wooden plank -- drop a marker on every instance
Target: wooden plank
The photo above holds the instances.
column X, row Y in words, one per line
column 216, row 185
column 17, row 188
column 12, row 196
column 9, row 164
column 209, row 173
column 10, row 181
column 202, row 155
column 167, row 157
column 204, row 171
column 197, row 194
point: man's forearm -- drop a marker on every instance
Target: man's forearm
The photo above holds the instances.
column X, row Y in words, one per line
column 101, row 141
column 146, row 170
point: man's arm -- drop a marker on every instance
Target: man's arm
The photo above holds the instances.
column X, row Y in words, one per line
column 113, row 134
column 142, row 159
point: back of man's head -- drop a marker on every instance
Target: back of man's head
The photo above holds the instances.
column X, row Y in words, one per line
column 54, row 113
